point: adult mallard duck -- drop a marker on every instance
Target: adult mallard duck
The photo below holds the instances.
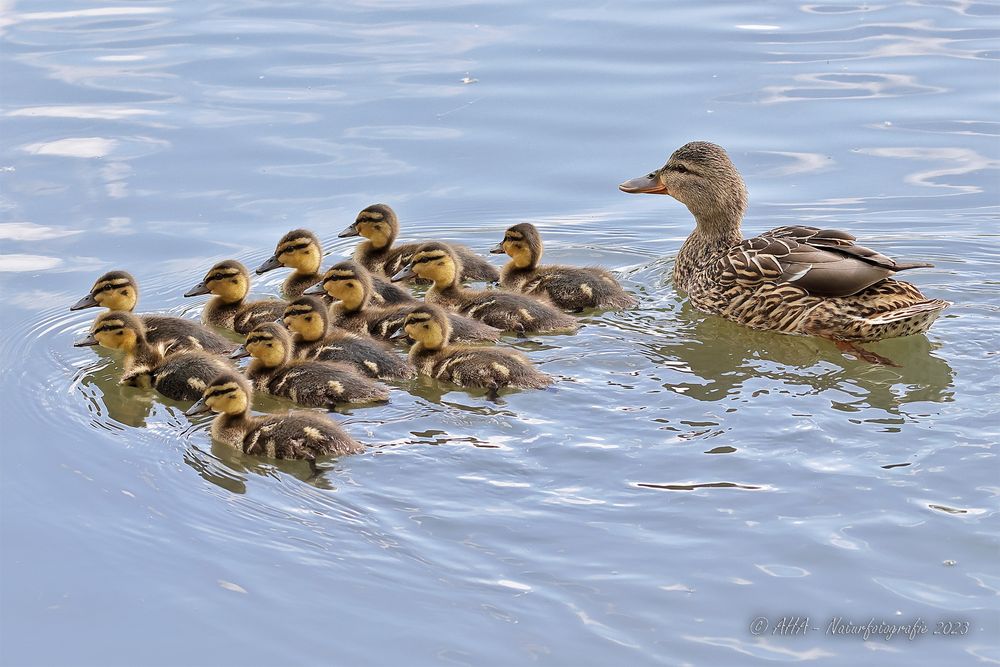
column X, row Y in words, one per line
column 795, row 279
column 229, row 282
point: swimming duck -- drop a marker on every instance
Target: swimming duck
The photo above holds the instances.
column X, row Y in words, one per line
column 793, row 279
column 482, row 367
column 117, row 290
column 350, row 284
column 295, row 435
column 569, row 287
column 229, row 281
column 316, row 338
column 498, row 308
column 310, row 383
column 181, row 376
column 380, row 227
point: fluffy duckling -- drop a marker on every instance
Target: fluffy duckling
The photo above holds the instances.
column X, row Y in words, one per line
column 229, row 281
column 181, row 376
column 569, row 287
column 793, row 279
column 296, row 435
column 380, row 226
column 483, row 367
column 316, row 338
column 117, row 290
column 350, row 284
column 505, row 310
column 310, row 383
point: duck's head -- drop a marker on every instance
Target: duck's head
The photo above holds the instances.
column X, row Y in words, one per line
column 377, row 223
column 268, row 343
column 228, row 280
column 115, row 290
column 701, row 176
column 432, row 261
column 115, row 330
column 307, row 316
column 230, row 393
column 299, row 249
column 348, row 282
column 428, row 325
column 523, row 243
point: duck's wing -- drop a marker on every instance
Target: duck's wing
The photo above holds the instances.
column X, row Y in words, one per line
column 824, row 262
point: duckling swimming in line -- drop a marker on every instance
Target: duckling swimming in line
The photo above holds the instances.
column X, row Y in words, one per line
column 117, row 290
column 797, row 280
column 316, row 338
column 181, row 376
column 229, row 281
column 569, row 287
column 309, row 383
column 380, row 227
column 483, row 367
column 505, row 310
column 296, row 435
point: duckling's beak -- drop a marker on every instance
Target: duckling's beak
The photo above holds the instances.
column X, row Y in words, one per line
column 350, row 231
column 398, row 333
column 316, row 290
column 403, row 274
column 200, row 288
column 89, row 341
column 269, row 265
column 199, row 407
column 86, row 302
column 239, row 352
column 497, row 249
column 649, row 184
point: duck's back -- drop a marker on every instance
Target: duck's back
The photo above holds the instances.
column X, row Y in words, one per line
column 298, row 435
column 486, row 368
column 178, row 333
column 571, row 287
column 324, row 384
column 184, row 376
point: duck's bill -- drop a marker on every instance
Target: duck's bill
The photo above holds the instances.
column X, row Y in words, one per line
column 269, row 265
column 239, row 352
column 350, row 231
column 497, row 249
column 200, row 288
column 649, row 184
column 315, row 290
column 89, row 341
column 403, row 274
column 86, row 302
column 198, row 408
column 398, row 334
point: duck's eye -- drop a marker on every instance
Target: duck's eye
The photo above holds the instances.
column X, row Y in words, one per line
column 350, row 285
column 309, row 318
column 680, row 169
column 121, row 333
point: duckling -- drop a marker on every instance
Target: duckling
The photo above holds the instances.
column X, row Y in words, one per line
column 380, row 226
column 181, row 376
column 117, row 290
column 310, row 383
column 504, row 310
column 792, row 279
column 296, row 435
column 569, row 287
column 229, row 281
column 316, row 338
column 483, row 367
column 351, row 285
column 301, row 250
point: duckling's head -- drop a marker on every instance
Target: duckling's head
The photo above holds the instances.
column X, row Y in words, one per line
column 230, row 393
column 228, row 280
column 268, row 343
column 701, row 176
column 115, row 330
column 429, row 326
column 348, row 282
column 308, row 317
column 432, row 261
column 523, row 243
column 299, row 249
column 377, row 223
column 115, row 290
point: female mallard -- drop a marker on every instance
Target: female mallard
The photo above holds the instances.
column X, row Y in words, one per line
column 229, row 281
column 317, row 339
column 570, row 287
column 117, row 290
column 181, row 376
column 296, row 435
column 498, row 308
column 380, row 227
column 797, row 280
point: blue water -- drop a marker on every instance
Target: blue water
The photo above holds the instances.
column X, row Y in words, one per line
column 684, row 478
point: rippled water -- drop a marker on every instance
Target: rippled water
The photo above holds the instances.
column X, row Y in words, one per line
column 685, row 476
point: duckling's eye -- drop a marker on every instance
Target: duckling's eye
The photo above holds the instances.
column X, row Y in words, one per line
column 120, row 333
column 309, row 318
column 270, row 344
column 427, row 326
column 350, row 285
